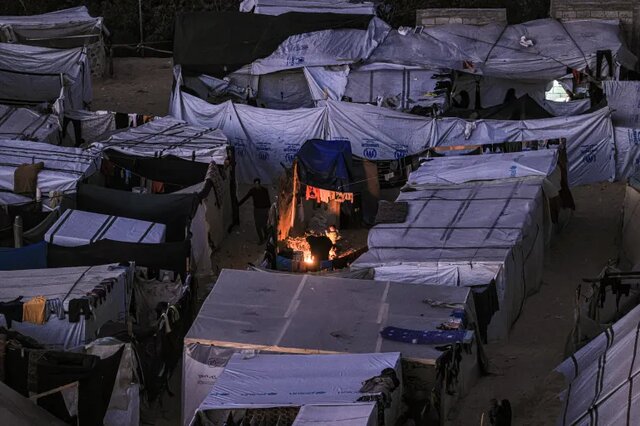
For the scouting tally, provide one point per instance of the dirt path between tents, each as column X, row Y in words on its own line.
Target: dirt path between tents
column 521, row 367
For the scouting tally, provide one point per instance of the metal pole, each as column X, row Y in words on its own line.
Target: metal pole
column 17, row 232
column 141, row 45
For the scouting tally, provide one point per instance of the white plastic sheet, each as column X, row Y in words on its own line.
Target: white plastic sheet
column 327, row 82
column 77, row 228
column 41, row 69
column 461, row 168
column 340, row 415
column 265, row 138
column 271, row 381
column 320, row 48
column 63, row 167
column 601, row 377
column 26, row 124
column 278, row 7
column 493, row 50
column 167, row 136
column 623, row 98
column 627, row 147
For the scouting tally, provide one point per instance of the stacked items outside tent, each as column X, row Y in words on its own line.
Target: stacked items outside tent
column 62, row 29
column 308, row 314
column 478, row 221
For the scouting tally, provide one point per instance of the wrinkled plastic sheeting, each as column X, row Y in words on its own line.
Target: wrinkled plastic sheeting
column 278, row 7
column 320, row 48
column 623, row 98
column 608, row 393
column 468, row 168
column 265, row 138
column 327, row 82
column 627, row 146
column 493, row 50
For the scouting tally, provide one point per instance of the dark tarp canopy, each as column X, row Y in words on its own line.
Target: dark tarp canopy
column 522, row 108
column 326, row 164
column 173, row 210
column 169, row 256
column 218, row 43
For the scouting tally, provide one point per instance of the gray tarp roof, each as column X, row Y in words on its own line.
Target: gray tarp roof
column 168, row 136
column 69, row 24
column 26, row 124
column 63, row 167
column 303, row 313
column 278, row 7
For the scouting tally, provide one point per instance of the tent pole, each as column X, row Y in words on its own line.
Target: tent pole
column 17, row 232
column 141, row 33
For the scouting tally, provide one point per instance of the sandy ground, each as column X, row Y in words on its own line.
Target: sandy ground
column 521, row 367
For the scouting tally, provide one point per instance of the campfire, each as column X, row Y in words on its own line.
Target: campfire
column 300, row 245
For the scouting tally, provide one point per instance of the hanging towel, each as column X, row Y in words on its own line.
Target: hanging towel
column 34, row 310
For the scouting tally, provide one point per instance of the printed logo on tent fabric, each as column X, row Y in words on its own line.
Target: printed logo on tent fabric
column 290, row 152
column 263, row 155
column 589, row 153
column 401, row 151
column 293, row 61
column 370, row 153
column 634, row 136
column 239, row 146
column 216, row 362
column 514, row 171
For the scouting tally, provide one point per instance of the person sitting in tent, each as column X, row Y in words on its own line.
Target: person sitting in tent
column 320, row 246
column 261, row 205
column 333, row 234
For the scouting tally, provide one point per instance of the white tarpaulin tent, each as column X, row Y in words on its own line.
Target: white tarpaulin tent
column 26, row 124
column 601, row 378
column 278, row 7
column 623, row 98
column 627, row 143
column 76, row 228
column 62, row 29
column 67, row 284
column 307, row 314
column 264, row 138
column 63, row 167
column 340, row 415
column 279, row 381
column 167, row 136
column 470, row 230
column 504, row 52
column 49, row 74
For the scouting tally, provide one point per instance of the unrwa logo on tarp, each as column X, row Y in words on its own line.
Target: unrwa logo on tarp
column 589, row 153
column 370, row 153
column 401, row 151
column 263, row 155
column 634, row 136
column 289, row 157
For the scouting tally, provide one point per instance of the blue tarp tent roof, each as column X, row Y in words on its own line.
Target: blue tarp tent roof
column 326, row 164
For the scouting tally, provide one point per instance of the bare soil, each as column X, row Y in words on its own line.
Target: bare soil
column 521, row 369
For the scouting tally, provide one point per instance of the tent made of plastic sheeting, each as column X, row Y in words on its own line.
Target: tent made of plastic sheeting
column 341, row 415
column 62, row 29
column 218, row 43
column 470, row 233
column 18, row 410
column 296, row 381
column 308, row 314
column 531, row 51
column 168, row 137
column 27, row 124
column 278, row 7
column 627, row 150
column 265, row 138
column 68, row 285
column 601, row 377
column 623, row 98
column 204, row 221
column 330, row 47
column 49, row 74
column 63, row 167
column 459, row 169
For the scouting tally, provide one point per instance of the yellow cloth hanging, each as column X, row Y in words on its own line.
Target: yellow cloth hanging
column 34, row 310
